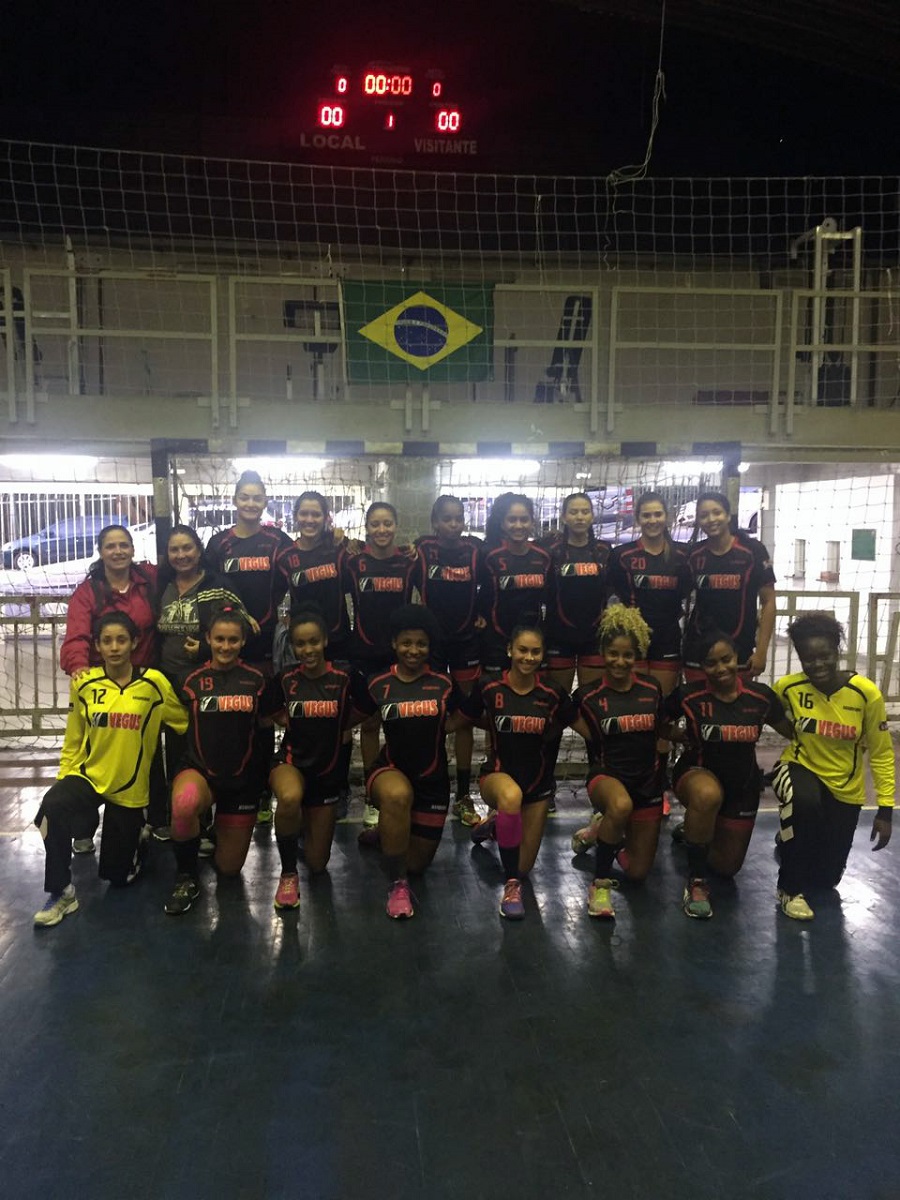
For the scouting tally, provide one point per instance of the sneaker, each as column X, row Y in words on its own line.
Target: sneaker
column 511, row 905
column 369, row 836
column 287, row 895
column 584, row 839
column 83, row 846
column 623, row 859
column 162, row 833
column 484, row 830
column 678, row 833
column 370, row 815
column 551, row 804
column 795, row 907
column 399, row 901
column 669, row 800
column 695, row 900
column 600, row 899
column 465, row 812
column 56, row 907
column 207, row 846
column 187, row 889
column 264, row 812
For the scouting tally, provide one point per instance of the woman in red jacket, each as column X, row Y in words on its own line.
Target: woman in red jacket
column 115, row 584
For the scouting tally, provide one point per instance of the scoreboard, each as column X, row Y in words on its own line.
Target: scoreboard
column 387, row 114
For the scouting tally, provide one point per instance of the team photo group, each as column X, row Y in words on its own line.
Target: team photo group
column 221, row 688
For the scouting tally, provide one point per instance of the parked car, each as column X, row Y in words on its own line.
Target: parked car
column 71, row 538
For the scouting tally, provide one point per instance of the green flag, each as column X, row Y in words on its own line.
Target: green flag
column 402, row 333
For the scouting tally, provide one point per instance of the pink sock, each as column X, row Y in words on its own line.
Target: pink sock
column 509, row 829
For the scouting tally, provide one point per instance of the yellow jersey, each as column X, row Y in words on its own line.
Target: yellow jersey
column 832, row 734
column 112, row 731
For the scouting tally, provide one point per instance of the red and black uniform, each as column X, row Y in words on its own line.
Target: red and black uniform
column 577, row 596
column 447, row 581
column 721, row 737
column 657, row 585
column 414, row 719
column 223, row 710
column 318, row 712
column 513, row 591
column 523, row 730
column 726, row 594
column 376, row 587
column 624, row 731
column 315, row 578
column 249, row 567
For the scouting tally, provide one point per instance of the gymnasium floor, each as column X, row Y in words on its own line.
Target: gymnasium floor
column 238, row 1053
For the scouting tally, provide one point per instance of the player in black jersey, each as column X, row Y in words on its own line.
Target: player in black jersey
column 619, row 716
column 446, row 576
column 226, row 699
column 247, row 555
column 115, row 714
column 313, row 569
column 577, row 594
column 651, row 574
column 378, row 579
column 307, row 771
column 717, row 777
column 523, row 714
column 732, row 579
column 514, row 576
column 409, row 782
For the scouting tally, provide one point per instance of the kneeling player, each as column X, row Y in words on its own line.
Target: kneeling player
column 308, row 772
column 717, row 778
column 225, row 699
column 115, row 714
column 524, row 715
column 409, row 782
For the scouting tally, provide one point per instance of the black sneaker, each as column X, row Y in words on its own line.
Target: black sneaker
column 678, row 833
column 187, row 889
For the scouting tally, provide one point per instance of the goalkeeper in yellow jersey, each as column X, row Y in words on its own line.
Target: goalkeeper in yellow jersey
column 839, row 719
column 115, row 714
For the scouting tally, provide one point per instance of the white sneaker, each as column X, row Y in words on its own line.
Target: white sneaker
column 795, row 907
column 83, row 846
column 370, row 816
column 57, row 907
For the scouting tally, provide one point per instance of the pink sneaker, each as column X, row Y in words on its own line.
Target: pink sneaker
column 511, row 905
column 287, row 895
column 399, row 901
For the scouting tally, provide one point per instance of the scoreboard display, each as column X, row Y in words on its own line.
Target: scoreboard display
column 385, row 113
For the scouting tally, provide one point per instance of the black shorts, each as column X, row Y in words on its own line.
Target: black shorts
column 318, row 790
column 493, row 651
column 562, row 655
column 460, row 657
column 646, row 802
column 431, row 799
column 236, row 800
column 664, row 652
column 741, row 795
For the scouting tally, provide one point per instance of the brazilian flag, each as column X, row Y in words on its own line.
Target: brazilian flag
column 400, row 333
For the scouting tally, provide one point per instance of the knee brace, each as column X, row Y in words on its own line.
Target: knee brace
column 185, row 805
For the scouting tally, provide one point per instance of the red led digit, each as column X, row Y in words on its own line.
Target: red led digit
column 447, row 120
column 436, row 89
column 331, row 116
column 341, row 84
column 390, row 121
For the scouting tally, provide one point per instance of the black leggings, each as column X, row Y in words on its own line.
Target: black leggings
column 68, row 810
column 816, row 830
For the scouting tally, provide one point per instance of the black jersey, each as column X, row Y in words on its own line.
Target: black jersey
column 522, row 728
column 657, row 585
column 513, row 587
column 315, row 577
column 414, row 718
column 249, row 566
column 624, row 731
column 318, row 712
column 722, row 735
column 726, row 592
column 223, row 710
column 447, row 580
column 376, row 586
column 578, row 590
